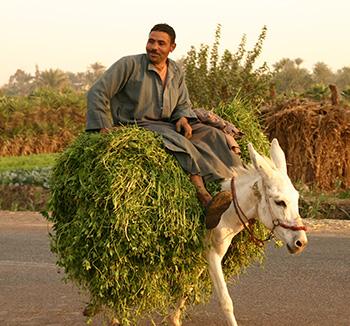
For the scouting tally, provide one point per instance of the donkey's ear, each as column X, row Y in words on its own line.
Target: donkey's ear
column 259, row 162
column 278, row 157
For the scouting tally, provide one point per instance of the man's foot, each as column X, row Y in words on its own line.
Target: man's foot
column 202, row 193
column 217, row 206
column 204, row 197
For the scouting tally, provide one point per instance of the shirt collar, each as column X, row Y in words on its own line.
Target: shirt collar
column 171, row 67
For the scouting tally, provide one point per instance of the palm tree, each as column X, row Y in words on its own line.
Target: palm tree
column 289, row 78
column 298, row 61
column 95, row 71
column 322, row 74
column 97, row 68
column 53, row 78
column 20, row 83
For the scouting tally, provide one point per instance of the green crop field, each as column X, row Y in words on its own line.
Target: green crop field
column 27, row 162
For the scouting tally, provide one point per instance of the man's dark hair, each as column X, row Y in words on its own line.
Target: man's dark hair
column 166, row 29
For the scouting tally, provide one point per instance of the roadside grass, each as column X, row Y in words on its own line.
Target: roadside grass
column 318, row 205
column 24, row 181
column 345, row 194
column 27, row 162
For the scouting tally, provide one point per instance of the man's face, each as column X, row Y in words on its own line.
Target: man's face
column 158, row 47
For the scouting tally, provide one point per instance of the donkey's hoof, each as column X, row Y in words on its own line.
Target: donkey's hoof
column 114, row 322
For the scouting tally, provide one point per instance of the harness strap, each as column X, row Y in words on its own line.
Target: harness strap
column 248, row 223
column 290, row 227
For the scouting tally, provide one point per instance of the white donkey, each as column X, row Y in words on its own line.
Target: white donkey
column 264, row 192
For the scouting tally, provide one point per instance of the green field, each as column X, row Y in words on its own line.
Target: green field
column 28, row 162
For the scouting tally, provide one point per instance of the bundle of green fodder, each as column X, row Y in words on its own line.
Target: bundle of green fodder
column 316, row 139
column 128, row 227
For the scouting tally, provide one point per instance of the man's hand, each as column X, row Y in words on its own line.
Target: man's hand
column 104, row 130
column 110, row 129
column 182, row 123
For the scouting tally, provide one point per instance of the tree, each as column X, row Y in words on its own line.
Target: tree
column 289, row 78
column 53, row 78
column 20, row 83
column 77, row 81
column 95, row 71
column 322, row 74
column 298, row 61
column 213, row 79
column 343, row 78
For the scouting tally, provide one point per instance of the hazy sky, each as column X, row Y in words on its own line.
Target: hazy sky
column 72, row 34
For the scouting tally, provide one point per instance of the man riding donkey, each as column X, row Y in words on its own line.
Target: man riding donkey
column 149, row 90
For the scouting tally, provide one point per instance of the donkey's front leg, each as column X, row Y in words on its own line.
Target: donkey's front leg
column 214, row 256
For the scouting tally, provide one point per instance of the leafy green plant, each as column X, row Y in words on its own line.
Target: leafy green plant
column 213, row 80
column 318, row 205
column 344, row 194
column 346, row 93
column 36, row 176
column 242, row 113
column 318, row 92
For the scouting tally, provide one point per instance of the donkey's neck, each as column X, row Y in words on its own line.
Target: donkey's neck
column 246, row 184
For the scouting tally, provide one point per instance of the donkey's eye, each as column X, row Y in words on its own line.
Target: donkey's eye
column 281, row 203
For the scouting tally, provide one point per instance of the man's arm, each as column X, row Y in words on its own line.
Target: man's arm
column 184, row 106
column 100, row 94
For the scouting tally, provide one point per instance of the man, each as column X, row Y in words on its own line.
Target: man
column 149, row 89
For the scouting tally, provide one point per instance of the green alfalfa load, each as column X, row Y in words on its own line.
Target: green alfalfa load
column 128, row 228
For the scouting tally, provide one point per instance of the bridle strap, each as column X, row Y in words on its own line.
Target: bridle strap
column 277, row 222
column 247, row 224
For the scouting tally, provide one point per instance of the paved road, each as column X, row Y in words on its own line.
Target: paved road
column 310, row 289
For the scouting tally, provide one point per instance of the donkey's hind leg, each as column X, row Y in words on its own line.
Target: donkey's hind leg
column 218, row 247
column 176, row 316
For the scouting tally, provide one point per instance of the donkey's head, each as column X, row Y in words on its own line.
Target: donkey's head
column 278, row 205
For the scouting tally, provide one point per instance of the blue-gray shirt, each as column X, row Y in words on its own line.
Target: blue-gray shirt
column 132, row 91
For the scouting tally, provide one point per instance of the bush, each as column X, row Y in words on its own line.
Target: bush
column 213, row 80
